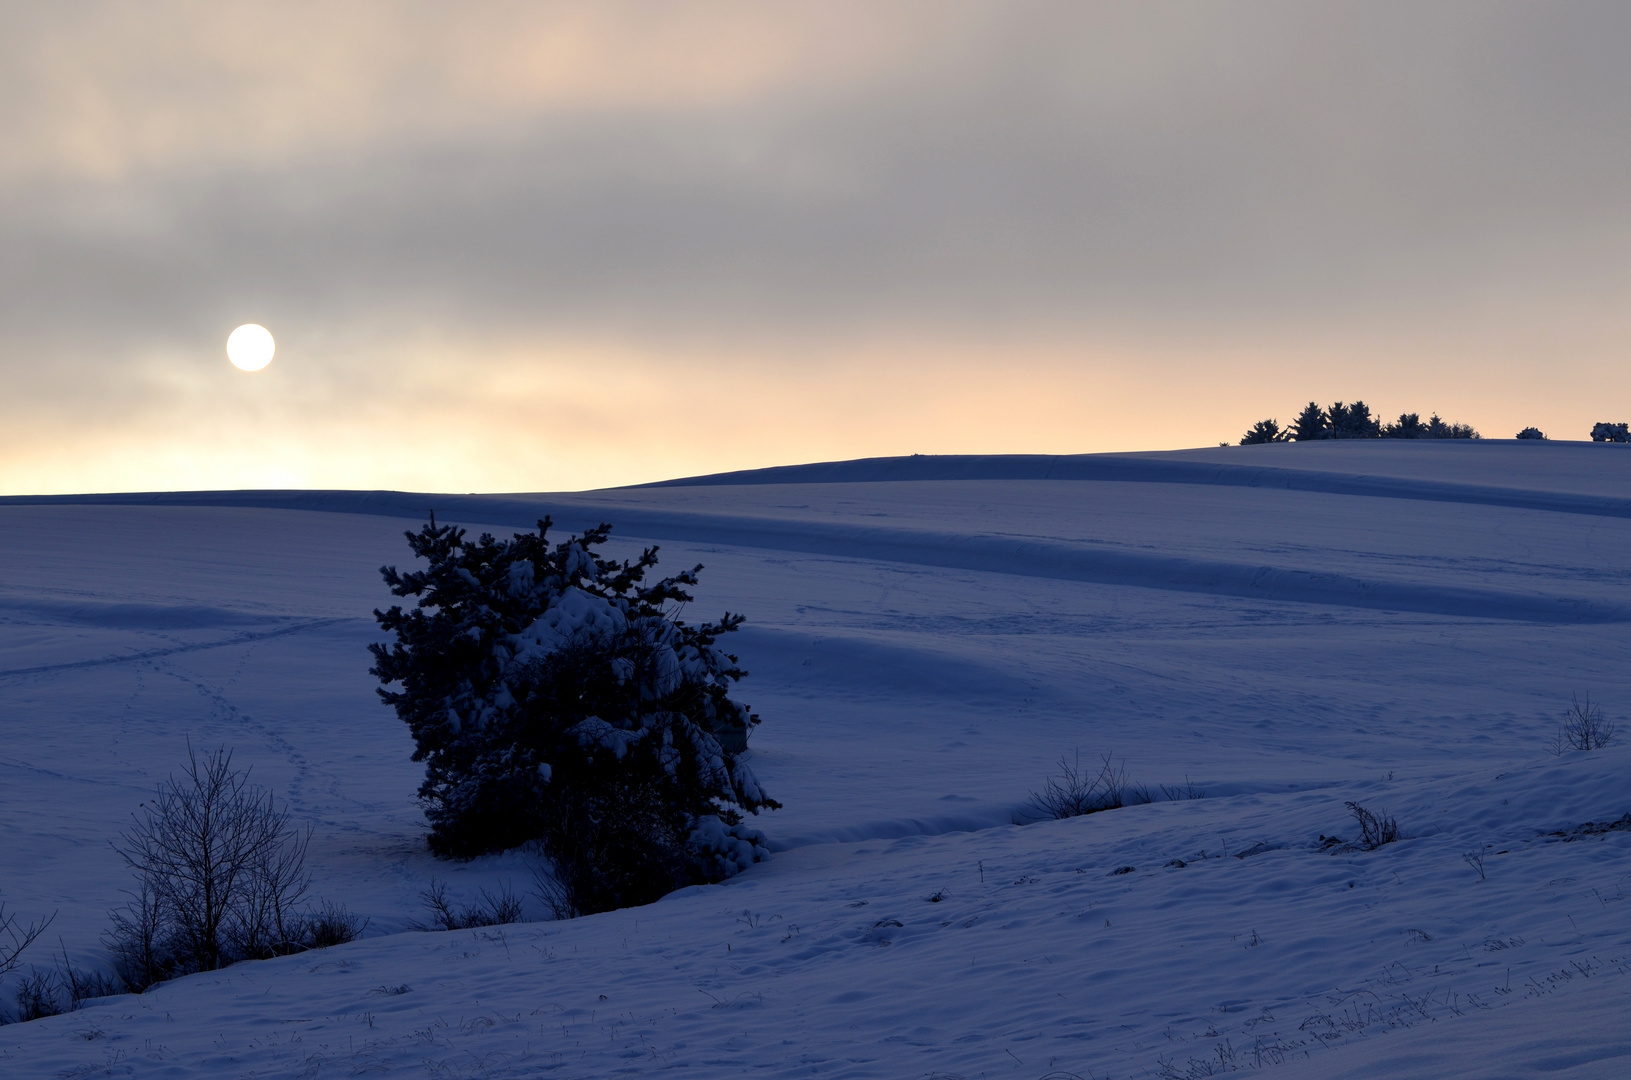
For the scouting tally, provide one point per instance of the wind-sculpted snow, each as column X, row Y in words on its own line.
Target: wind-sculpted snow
column 1174, row 469
column 127, row 616
column 1385, row 470
column 980, row 548
column 1175, row 940
column 1401, row 627
column 1053, row 559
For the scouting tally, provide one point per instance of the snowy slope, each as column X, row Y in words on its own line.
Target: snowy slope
column 1286, row 627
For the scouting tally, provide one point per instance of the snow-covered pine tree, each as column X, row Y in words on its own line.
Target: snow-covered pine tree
column 555, row 696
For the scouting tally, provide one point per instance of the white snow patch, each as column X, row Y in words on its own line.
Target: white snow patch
column 1400, row 627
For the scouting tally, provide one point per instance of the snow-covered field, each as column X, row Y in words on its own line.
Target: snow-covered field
column 1286, row 628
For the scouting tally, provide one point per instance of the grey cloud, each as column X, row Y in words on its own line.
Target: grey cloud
column 1146, row 166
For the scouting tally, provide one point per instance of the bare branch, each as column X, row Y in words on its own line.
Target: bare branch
column 17, row 938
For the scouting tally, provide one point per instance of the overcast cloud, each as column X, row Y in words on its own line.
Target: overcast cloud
column 819, row 231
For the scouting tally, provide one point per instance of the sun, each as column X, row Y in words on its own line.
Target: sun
column 250, row 347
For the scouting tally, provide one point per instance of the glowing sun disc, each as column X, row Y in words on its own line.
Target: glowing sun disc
column 250, row 347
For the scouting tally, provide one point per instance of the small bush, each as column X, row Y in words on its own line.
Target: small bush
column 1374, row 829
column 220, row 878
column 52, row 992
column 330, row 924
column 1530, row 433
column 1078, row 790
column 37, row 996
column 62, row 989
column 493, row 909
column 81, row 986
column 1584, row 728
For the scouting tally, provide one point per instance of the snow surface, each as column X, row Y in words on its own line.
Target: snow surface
column 1285, row 628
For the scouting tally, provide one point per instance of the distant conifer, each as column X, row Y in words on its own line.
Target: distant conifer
column 1310, row 424
column 1352, row 422
column 1408, row 426
column 1264, row 431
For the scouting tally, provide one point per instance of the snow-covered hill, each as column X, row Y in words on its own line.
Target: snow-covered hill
column 1286, row 628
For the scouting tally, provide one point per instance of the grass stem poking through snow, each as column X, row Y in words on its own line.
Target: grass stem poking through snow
column 1173, row 793
column 493, row 909
column 1475, row 859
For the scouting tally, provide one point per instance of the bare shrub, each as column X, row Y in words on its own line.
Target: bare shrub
column 220, row 878
column 37, row 996
column 492, row 909
column 1076, row 790
column 64, row 988
column 1173, row 793
column 141, row 956
column 59, row 989
column 331, row 924
column 17, row 938
column 1374, row 829
column 81, row 985
column 1584, row 727
column 555, row 889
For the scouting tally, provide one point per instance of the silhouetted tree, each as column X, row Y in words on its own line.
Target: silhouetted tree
column 1438, row 429
column 1310, row 424
column 1408, row 426
column 1352, row 422
column 1611, row 433
column 220, row 871
column 1265, row 431
column 1531, row 433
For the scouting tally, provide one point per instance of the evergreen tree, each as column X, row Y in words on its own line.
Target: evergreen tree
column 556, row 696
column 1311, row 424
column 1408, row 426
column 1264, row 431
column 1438, row 429
column 1352, row 422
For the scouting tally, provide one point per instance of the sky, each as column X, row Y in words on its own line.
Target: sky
column 535, row 247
